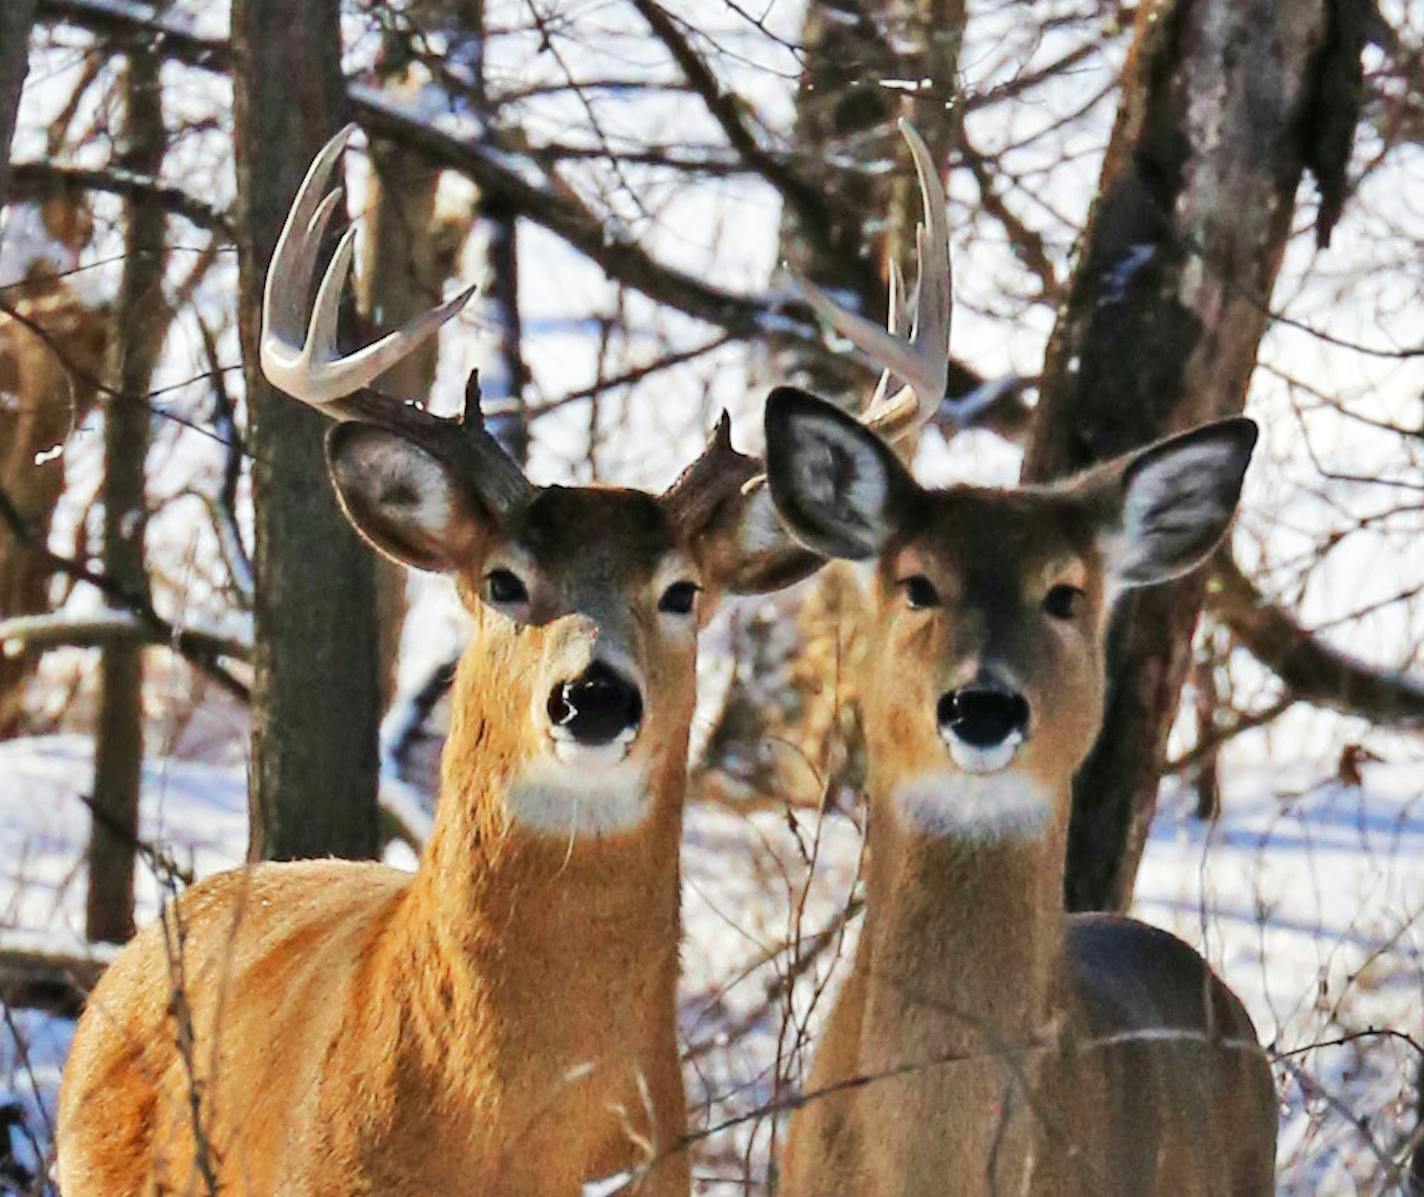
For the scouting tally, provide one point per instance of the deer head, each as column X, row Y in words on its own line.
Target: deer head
column 587, row 600
column 990, row 606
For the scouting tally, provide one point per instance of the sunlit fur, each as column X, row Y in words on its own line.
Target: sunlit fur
column 501, row 1023
column 975, row 1006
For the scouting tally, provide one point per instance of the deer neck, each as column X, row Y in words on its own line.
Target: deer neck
column 963, row 935
column 538, row 943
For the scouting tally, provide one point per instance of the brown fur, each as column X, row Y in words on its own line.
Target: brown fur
column 500, row 1023
column 983, row 1018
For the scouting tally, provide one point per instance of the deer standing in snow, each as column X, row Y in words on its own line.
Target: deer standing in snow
column 985, row 1042
column 503, row 1021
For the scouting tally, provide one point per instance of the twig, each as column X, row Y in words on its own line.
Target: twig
column 176, row 638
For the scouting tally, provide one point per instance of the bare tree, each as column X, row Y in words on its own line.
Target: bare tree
column 1224, row 106
column 141, row 325
column 316, row 693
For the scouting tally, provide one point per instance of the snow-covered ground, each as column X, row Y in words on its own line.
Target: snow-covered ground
column 1306, row 896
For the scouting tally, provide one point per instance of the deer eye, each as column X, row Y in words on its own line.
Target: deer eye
column 678, row 599
column 501, row 586
column 1063, row 601
column 920, row 591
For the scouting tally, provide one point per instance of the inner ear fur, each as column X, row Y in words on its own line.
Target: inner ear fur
column 405, row 501
column 1163, row 509
column 838, row 487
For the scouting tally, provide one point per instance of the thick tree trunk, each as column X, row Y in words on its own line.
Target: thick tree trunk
column 17, row 17
column 1225, row 104
column 316, row 692
column 788, row 728
column 140, row 328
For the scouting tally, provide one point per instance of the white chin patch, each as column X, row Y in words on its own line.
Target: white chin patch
column 581, row 790
column 974, row 759
column 984, row 806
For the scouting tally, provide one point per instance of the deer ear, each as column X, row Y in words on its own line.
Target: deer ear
column 403, row 500
column 837, row 486
column 1176, row 499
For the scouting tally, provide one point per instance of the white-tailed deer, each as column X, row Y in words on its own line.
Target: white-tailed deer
column 984, row 1041
column 502, row 1022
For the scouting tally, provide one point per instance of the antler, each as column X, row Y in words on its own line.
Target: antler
column 921, row 358
column 299, row 353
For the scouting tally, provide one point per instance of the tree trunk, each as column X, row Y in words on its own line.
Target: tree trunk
column 17, row 17
column 316, row 698
column 502, row 302
column 141, row 324
column 1225, row 103
column 788, row 728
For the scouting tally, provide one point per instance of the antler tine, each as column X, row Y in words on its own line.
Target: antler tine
column 897, row 321
column 299, row 352
column 922, row 358
column 708, row 482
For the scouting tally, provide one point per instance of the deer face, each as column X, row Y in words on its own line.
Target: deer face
column 983, row 686
column 587, row 603
column 588, row 600
column 602, row 597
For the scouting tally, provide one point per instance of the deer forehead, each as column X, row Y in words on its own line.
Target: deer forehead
column 595, row 535
column 985, row 543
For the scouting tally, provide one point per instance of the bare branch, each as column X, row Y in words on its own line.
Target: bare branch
column 43, row 980
column 1312, row 670
column 39, row 633
column 33, row 180
column 202, row 660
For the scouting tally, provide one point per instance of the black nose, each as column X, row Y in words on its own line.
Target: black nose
column 983, row 717
column 596, row 706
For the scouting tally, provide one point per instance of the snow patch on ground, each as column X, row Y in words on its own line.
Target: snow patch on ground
column 1306, row 897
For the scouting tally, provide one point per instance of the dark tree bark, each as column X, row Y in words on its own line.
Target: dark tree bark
column 118, row 734
column 316, row 693
column 1221, row 114
column 502, row 295
column 17, row 18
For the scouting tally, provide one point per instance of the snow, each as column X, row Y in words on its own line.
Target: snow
column 1306, row 896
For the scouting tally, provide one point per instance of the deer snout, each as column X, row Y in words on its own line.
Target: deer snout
column 595, row 708
column 982, row 725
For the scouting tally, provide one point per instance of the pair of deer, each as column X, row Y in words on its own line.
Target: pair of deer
column 503, row 1021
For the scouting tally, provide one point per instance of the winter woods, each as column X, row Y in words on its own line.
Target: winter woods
column 1160, row 213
